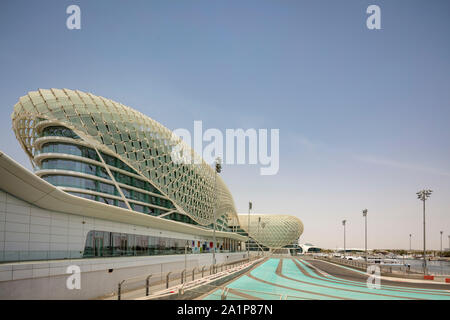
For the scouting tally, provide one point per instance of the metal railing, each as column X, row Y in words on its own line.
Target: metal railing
column 134, row 280
column 400, row 269
column 182, row 275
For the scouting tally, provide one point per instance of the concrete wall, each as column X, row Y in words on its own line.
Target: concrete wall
column 47, row 280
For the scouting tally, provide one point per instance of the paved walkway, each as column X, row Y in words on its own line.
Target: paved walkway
column 300, row 279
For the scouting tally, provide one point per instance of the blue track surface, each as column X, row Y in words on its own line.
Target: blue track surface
column 296, row 279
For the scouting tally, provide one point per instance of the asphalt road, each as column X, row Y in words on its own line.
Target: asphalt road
column 347, row 274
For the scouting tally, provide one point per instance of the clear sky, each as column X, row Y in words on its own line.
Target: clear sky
column 363, row 114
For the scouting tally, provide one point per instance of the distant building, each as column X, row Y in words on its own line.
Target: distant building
column 309, row 248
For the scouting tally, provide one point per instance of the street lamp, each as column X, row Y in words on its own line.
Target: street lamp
column 263, row 225
column 423, row 195
column 185, row 260
column 248, row 229
column 259, row 221
column 410, row 243
column 343, row 223
column 441, row 242
column 218, row 169
column 364, row 212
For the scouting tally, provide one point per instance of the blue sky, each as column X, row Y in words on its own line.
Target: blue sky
column 363, row 114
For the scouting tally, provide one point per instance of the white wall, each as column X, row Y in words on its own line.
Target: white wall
column 28, row 232
column 47, row 279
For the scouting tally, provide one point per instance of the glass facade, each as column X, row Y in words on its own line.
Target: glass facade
column 93, row 185
column 58, row 131
column 113, row 244
column 84, row 195
column 72, row 149
column 132, row 144
column 180, row 218
column 82, row 183
column 63, row 164
column 135, row 182
column 128, row 176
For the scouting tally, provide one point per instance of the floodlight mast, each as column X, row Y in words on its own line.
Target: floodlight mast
column 218, row 169
column 343, row 223
column 364, row 212
column 248, row 229
column 423, row 195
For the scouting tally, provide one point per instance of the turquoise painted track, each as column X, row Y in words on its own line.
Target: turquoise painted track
column 296, row 279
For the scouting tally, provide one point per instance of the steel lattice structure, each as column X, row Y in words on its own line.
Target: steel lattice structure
column 139, row 141
column 272, row 230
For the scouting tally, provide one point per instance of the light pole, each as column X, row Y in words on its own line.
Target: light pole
column 259, row 221
column 423, row 195
column 364, row 212
column 441, row 242
column 248, row 229
column 343, row 223
column 218, row 169
column 185, row 260
column 410, row 243
column 263, row 225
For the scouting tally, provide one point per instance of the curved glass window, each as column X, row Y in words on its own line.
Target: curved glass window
column 72, row 165
column 82, row 183
column 134, row 182
column 135, row 195
column 180, row 218
column 85, row 152
column 81, row 151
column 59, row 131
column 144, row 209
column 83, row 195
column 121, row 204
column 144, row 197
column 123, row 178
column 115, row 162
column 105, row 200
column 106, row 188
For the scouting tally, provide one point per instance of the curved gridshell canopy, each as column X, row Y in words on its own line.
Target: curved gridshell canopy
column 139, row 141
column 273, row 231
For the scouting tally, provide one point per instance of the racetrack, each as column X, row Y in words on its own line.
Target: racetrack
column 309, row 279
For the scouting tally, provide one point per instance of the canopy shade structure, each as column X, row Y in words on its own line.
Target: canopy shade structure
column 143, row 144
column 272, row 230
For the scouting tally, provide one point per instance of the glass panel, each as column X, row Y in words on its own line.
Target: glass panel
column 131, row 245
column 89, row 246
column 73, row 165
column 116, row 242
column 83, row 195
column 59, row 132
column 107, row 244
column 81, row 151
